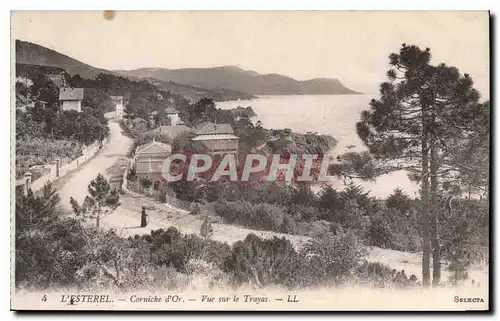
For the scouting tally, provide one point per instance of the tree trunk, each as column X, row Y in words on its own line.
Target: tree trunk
column 98, row 215
column 434, row 167
column 426, row 273
column 436, row 253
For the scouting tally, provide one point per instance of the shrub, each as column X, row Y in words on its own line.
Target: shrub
column 329, row 199
column 206, row 229
column 146, row 182
column 335, row 227
column 332, row 257
column 399, row 201
column 131, row 174
column 171, row 248
column 304, row 213
column 374, row 273
column 288, row 225
column 191, row 191
column 113, row 198
column 195, row 209
column 162, row 197
column 381, row 275
column 263, row 262
column 380, row 235
column 77, row 209
column 257, row 216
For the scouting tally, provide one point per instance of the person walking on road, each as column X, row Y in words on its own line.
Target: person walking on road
column 143, row 217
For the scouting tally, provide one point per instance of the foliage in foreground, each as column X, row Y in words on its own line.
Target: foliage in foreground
column 54, row 251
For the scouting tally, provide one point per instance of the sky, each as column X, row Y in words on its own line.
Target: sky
column 350, row 46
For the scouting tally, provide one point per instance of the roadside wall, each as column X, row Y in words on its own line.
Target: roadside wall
column 58, row 169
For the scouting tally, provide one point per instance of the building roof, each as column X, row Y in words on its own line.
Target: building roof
column 171, row 110
column 153, row 147
column 209, row 128
column 171, row 131
column 215, row 137
column 71, row 94
column 117, row 99
column 138, row 120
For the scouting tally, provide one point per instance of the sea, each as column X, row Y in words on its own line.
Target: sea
column 334, row 115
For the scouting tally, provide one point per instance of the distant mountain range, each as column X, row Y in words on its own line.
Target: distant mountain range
column 249, row 81
column 28, row 53
column 218, row 83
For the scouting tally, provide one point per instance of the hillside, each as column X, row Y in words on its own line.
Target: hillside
column 32, row 54
column 195, row 93
column 235, row 78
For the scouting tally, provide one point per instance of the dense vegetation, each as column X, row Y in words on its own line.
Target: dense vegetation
column 54, row 251
column 295, row 209
column 43, row 132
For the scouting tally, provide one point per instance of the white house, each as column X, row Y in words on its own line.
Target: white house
column 173, row 114
column 149, row 159
column 118, row 101
column 71, row 98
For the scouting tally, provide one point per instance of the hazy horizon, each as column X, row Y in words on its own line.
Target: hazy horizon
column 352, row 47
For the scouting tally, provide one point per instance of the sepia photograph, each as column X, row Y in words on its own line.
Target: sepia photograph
column 250, row 160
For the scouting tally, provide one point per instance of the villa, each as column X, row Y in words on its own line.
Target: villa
column 149, row 158
column 71, row 99
column 218, row 138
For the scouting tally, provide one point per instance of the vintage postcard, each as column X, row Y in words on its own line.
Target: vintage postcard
column 250, row 160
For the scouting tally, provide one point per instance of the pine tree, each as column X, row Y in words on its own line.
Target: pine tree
column 399, row 201
column 421, row 108
column 100, row 195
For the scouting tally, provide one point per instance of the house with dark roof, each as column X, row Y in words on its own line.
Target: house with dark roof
column 149, row 158
column 171, row 131
column 218, row 138
column 71, row 98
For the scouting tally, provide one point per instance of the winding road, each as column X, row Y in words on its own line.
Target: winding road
column 75, row 184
